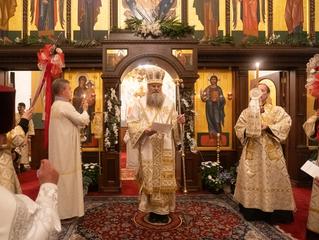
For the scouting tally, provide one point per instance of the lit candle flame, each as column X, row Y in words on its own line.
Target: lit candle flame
column 257, row 69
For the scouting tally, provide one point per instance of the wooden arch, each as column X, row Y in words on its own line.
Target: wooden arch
column 138, row 51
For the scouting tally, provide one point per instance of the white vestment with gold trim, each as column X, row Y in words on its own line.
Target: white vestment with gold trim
column 156, row 174
column 24, row 149
column 263, row 181
column 313, row 216
column 8, row 176
column 25, row 219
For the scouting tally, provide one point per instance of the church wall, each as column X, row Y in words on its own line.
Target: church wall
column 233, row 61
column 104, row 25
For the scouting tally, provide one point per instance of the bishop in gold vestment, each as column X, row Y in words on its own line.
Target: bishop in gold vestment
column 156, row 174
column 313, row 217
column 263, row 186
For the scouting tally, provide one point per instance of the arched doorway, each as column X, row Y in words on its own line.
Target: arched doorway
column 121, row 60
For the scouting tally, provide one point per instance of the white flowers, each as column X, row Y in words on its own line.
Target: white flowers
column 211, row 175
column 273, row 39
column 184, row 101
column 209, row 164
column 112, row 119
column 192, row 142
column 117, row 112
column 150, row 28
column 113, row 94
column 88, row 166
column 109, row 105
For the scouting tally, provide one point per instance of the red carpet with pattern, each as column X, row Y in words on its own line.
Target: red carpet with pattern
column 202, row 217
column 30, row 187
column 298, row 228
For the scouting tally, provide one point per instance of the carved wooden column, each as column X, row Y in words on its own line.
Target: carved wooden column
column 270, row 19
column 297, row 150
column 227, row 10
column 241, row 90
column 25, row 20
column 240, row 98
column 110, row 177
column 113, row 14
column 184, row 17
column 312, row 31
column 192, row 160
column 68, row 19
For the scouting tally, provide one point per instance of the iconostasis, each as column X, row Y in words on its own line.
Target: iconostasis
column 91, row 19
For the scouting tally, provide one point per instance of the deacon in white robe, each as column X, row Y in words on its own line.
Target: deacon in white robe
column 263, row 187
column 25, row 219
column 311, row 130
column 156, row 149
column 64, row 149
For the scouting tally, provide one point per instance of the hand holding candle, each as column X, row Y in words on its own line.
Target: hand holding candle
column 85, row 104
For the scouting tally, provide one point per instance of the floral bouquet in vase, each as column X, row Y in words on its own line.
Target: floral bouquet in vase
column 229, row 179
column 90, row 174
column 211, row 176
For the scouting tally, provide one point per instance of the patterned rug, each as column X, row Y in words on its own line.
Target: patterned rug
column 205, row 217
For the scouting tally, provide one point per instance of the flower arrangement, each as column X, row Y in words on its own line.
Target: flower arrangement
column 215, row 178
column 229, row 176
column 111, row 119
column 90, row 174
column 211, row 175
column 274, row 39
column 158, row 27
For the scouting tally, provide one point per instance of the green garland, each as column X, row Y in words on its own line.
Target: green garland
column 170, row 28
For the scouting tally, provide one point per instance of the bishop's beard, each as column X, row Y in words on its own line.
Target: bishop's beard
column 155, row 100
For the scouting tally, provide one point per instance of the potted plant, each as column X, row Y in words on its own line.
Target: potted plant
column 211, row 176
column 229, row 179
column 90, row 174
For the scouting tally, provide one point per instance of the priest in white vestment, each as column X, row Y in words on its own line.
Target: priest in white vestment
column 156, row 148
column 10, row 138
column 263, row 187
column 64, row 149
column 311, row 130
column 311, row 127
column 25, row 219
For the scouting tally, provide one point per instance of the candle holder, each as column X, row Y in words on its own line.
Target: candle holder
column 218, row 147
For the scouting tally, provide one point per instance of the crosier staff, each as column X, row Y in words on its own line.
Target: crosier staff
column 178, row 83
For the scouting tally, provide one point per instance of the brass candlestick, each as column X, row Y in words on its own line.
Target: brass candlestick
column 218, row 146
column 178, row 83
